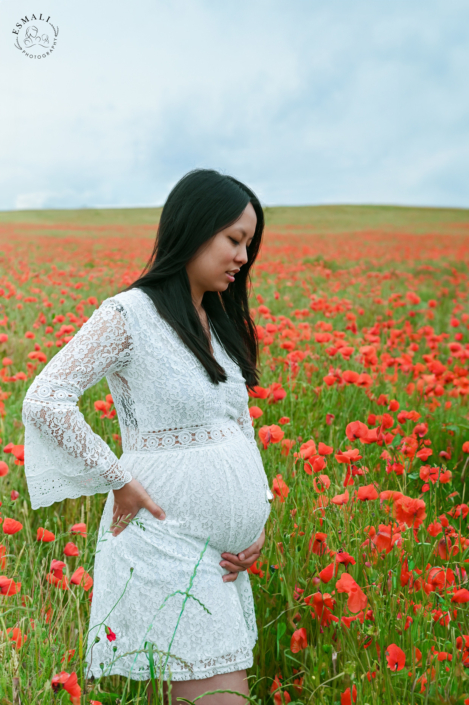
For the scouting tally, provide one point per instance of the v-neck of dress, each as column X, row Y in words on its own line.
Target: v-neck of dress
column 212, row 339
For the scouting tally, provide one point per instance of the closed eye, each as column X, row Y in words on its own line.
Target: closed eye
column 235, row 241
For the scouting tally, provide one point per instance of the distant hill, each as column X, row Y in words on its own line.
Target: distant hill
column 339, row 218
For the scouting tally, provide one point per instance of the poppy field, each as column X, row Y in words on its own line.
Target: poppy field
column 362, row 420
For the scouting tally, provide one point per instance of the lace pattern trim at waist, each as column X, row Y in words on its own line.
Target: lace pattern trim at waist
column 189, row 437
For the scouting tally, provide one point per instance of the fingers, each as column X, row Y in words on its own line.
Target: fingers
column 236, row 565
column 227, row 565
column 119, row 523
column 230, row 577
column 249, row 557
column 233, row 557
column 250, row 551
column 155, row 509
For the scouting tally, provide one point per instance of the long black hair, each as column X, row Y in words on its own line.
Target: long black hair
column 202, row 203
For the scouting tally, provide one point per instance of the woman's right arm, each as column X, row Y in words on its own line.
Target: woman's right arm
column 63, row 456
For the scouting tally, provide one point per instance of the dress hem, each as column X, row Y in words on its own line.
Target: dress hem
column 177, row 675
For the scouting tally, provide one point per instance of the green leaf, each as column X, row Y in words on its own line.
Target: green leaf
column 281, row 629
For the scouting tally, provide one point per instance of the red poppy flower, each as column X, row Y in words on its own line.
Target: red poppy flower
column 345, row 558
column 367, row 493
column 78, row 529
column 395, row 657
column 280, row 488
column 8, row 586
column 410, row 511
column 17, row 637
column 69, row 682
column 396, row 468
column 317, row 543
column 71, row 549
column 56, row 577
column 18, row 452
column 281, row 697
column 307, row 449
column 110, row 634
column 316, row 463
column 329, row 572
column 68, row 655
column 350, row 376
column 340, row 499
column 324, row 450
column 434, row 528
column 392, row 495
column 357, row 599
column 461, row 596
column 424, row 454
column 437, row 579
column 348, row 696
column 45, row 535
column 322, row 605
column 356, row 429
column 11, row 526
column 462, row 642
column 270, row 434
column 322, row 483
column 348, row 456
column 258, row 392
column 81, row 577
column 298, row 641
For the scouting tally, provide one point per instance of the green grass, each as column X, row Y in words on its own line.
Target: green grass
column 405, row 336
column 334, row 218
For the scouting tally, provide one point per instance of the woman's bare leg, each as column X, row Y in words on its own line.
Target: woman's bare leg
column 237, row 680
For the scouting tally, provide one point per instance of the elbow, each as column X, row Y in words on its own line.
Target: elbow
column 28, row 410
column 32, row 411
column 45, row 403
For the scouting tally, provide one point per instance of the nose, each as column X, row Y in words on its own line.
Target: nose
column 242, row 256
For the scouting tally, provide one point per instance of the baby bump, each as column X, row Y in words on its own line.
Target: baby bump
column 216, row 492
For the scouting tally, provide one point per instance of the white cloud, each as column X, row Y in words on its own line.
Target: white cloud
column 307, row 102
column 30, row 201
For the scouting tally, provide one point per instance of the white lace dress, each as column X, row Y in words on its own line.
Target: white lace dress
column 191, row 444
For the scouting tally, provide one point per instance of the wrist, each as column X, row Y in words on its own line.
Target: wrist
column 122, row 483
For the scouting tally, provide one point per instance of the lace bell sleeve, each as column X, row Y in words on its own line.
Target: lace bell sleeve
column 245, row 423
column 63, row 457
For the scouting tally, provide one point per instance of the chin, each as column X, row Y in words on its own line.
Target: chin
column 219, row 287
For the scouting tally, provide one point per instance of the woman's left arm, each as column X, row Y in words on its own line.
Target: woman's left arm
column 242, row 561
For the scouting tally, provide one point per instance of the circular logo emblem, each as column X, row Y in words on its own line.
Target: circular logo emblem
column 36, row 36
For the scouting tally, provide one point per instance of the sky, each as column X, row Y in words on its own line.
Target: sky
column 305, row 101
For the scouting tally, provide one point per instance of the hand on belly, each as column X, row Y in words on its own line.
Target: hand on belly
column 242, row 561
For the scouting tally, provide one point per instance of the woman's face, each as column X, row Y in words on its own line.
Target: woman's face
column 226, row 252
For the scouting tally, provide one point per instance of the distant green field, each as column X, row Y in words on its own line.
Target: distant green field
column 340, row 218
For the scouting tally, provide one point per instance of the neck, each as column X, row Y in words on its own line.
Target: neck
column 197, row 301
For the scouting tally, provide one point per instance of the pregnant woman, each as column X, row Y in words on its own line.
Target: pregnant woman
column 189, row 498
